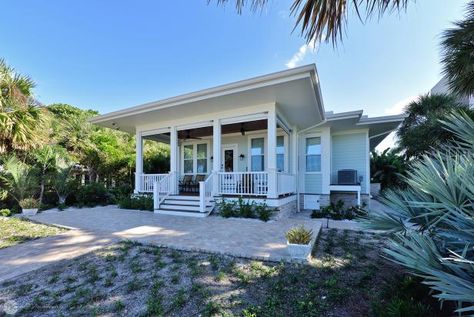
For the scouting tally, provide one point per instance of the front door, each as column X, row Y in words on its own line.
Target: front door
column 229, row 153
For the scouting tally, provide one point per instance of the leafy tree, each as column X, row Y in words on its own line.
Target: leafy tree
column 20, row 118
column 421, row 131
column 46, row 159
column 387, row 168
column 325, row 19
column 458, row 54
column 63, row 183
column 431, row 222
column 21, row 179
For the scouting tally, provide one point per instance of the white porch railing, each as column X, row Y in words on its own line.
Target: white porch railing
column 205, row 192
column 162, row 189
column 243, row 183
column 286, row 183
column 147, row 180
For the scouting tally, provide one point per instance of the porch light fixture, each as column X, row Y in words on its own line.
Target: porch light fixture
column 241, row 156
column 242, row 130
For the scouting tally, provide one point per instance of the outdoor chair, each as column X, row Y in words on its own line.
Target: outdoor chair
column 185, row 184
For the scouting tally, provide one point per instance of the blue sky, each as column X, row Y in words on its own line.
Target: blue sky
column 109, row 55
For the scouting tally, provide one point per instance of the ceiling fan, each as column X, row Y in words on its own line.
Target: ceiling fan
column 188, row 136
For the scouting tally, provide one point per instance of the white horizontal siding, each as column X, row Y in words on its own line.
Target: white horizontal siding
column 313, row 183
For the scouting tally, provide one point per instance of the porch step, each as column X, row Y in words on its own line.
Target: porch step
column 180, row 205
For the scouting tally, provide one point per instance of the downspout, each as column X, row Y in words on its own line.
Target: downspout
column 298, row 209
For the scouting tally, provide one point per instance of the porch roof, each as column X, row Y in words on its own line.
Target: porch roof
column 296, row 92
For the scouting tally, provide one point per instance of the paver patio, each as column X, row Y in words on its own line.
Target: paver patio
column 96, row 227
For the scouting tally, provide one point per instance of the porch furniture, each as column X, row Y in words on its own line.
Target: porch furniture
column 185, row 184
column 195, row 183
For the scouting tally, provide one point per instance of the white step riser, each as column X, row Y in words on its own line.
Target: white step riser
column 182, row 214
column 180, row 197
column 182, row 202
column 183, row 208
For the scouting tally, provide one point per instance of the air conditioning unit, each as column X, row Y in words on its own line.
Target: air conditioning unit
column 347, row 177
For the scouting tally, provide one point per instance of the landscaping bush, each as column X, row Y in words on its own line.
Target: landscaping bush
column 299, row 235
column 92, row 194
column 119, row 192
column 337, row 212
column 243, row 209
column 5, row 212
column 29, row 203
column 140, row 202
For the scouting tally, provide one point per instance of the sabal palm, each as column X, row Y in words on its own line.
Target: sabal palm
column 325, row 19
column 432, row 221
column 458, row 54
column 19, row 117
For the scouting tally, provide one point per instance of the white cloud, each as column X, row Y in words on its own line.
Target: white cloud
column 299, row 56
column 399, row 107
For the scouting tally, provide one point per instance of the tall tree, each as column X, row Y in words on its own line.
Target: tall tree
column 422, row 130
column 458, row 54
column 20, row 118
column 325, row 19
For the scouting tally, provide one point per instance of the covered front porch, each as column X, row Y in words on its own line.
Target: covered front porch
column 250, row 156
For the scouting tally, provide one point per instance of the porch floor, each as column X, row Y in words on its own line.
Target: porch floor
column 249, row 238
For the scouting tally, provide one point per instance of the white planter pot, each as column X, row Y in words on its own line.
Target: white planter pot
column 29, row 212
column 299, row 251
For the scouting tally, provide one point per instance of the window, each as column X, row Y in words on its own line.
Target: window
column 257, row 155
column 188, row 159
column 201, row 159
column 313, row 154
column 280, row 150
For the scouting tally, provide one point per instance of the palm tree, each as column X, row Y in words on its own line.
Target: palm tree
column 421, row 130
column 458, row 54
column 63, row 184
column 325, row 19
column 431, row 222
column 19, row 116
column 21, row 179
column 46, row 159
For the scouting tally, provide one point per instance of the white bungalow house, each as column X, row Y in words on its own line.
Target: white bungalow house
column 267, row 138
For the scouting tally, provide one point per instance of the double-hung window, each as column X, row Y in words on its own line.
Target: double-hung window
column 195, row 158
column 313, row 154
column 257, row 155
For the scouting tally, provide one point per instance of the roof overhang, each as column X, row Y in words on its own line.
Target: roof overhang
column 296, row 92
column 378, row 127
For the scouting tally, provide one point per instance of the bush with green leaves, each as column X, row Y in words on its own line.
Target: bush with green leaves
column 299, row 235
column 140, row 202
column 431, row 222
column 5, row 212
column 29, row 203
column 92, row 194
column 244, row 209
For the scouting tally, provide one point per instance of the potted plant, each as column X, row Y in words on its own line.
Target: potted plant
column 299, row 242
column 29, row 206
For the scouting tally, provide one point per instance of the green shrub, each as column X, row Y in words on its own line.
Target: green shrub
column 246, row 209
column 5, row 212
column 29, row 203
column 92, row 194
column 263, row 212
column 299, row 235
column 119, row 192
column 227, row 208
column 140, row 202
column 243, row 209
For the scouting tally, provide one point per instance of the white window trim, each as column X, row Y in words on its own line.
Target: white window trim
column 194, row 143
column 265, row 149
column 308, row 136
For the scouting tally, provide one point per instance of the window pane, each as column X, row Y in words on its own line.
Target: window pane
column 280, row 162
column 257, row 146
column 257, row 163
column 188, row 166
column 280, row 149
column 201, row 151
column 313, row 163
column 202, row 166
column 313, row 146
column 188, row 152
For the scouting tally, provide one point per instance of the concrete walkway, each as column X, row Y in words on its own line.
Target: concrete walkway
column 96, row 227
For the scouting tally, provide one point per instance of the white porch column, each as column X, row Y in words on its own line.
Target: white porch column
column 326, row 160
column 216, row 154
column 138, row 161
column 271, row 145
column 174, row 159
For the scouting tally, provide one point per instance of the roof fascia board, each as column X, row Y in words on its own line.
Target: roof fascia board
column 253, row 83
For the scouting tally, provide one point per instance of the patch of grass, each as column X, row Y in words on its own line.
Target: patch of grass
column 118, row 306
column 135, row 266
column 154, row 306
column 54, row 278
column 180, row 299
column 212, row 309
column 220, row 276
column 175, row 279
column 134, row 285
column 24, row 289
column 14, row 231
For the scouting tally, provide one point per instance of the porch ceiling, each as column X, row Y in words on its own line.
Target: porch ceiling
column 296, row 93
